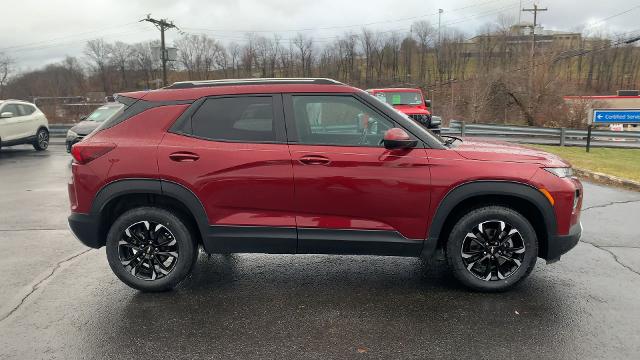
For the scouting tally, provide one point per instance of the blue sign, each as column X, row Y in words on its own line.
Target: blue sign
column 616, row 116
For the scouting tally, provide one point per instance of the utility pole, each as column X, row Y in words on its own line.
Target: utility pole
column 440, row 11
column 163, row 25
column 533, row 51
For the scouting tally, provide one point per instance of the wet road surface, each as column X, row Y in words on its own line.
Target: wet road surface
column 60, row 300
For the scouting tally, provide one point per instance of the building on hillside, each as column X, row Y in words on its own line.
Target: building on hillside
column 518, row 37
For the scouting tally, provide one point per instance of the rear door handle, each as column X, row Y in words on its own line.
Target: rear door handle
column 314, row 160
column 184, row 156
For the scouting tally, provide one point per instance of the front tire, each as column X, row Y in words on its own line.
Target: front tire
column 41, row 142
column 492, row 249
column 150, row 249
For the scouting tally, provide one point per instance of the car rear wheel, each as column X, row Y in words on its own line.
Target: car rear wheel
column 41, row 142
column 492, row 249
column 150, row 249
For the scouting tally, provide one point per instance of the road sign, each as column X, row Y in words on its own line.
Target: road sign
column 616, row 116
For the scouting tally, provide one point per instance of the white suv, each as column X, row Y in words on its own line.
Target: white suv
column 22, row 122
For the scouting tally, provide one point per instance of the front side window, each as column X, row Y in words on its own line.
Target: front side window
column 337, row 120
column 243, row 118
column 12, row 108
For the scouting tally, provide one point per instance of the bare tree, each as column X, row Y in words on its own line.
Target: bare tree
column 304, row 45
column 6, row 70
column 121, row 56
column 424, row 33
column 199, row 55
column 98, row 52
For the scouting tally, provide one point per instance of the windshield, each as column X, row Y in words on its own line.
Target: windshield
column 104, row 113
column 400, row 97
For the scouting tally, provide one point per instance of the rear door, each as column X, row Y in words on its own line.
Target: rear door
column 351, row 194
column 231, row 152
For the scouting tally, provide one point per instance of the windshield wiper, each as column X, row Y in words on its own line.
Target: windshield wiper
column 450, row 140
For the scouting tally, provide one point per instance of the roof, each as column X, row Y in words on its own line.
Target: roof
column 192, row 90
column 251, row 81
column 18, row 101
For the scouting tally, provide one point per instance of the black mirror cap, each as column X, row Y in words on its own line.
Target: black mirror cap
column 400, row 144
column 427, row 103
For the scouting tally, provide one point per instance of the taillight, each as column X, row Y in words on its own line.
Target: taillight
column 85, row 152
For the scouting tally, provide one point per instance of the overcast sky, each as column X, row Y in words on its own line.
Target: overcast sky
column 37, row 32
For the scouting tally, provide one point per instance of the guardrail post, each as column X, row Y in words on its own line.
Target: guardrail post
column 462, row 128
column 588, row 138
column 563, row 133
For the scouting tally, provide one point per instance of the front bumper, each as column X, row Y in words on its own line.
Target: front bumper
column 560, row 244
column 85, row 229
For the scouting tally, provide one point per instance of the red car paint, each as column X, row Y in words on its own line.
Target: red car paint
column 307, row 186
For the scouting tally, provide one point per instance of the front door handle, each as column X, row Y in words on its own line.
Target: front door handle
column 184, row 156
column 314, row 160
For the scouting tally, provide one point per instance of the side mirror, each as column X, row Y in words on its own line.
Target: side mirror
column 427, row 103
column 6, row 114
column 436, row 121
column 397, row 138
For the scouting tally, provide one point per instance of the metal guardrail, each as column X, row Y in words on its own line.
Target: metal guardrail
column 540, row 135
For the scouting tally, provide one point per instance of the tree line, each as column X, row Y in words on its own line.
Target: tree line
column 489, row 78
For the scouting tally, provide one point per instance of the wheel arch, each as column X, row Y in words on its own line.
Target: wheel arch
column 121, row 195
column 525, row 199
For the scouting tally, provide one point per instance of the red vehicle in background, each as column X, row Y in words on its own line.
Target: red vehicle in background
column 411, row 102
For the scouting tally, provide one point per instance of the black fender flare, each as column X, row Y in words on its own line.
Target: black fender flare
column 152, row 186
column 487, row 188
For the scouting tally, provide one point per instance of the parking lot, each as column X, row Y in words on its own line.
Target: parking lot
column 60, row 300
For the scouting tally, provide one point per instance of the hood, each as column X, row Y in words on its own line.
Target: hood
column 412, row 109
column 489, row 150
column 85, row 127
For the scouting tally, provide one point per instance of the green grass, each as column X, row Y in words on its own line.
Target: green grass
column 624, row 163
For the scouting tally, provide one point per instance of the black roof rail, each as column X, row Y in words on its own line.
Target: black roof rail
column 253, row 81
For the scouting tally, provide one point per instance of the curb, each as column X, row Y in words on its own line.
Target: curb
column 607, row 179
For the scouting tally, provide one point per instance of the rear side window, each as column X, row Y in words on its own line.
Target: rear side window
column 242, row 119
column 27, row 109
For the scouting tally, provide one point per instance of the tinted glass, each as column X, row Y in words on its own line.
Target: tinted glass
column 337, row 120
column 244, row 118
column 27, row 109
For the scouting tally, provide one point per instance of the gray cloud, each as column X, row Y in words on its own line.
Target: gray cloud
column 37, row 32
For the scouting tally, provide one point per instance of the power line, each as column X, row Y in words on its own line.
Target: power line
column 66, row 36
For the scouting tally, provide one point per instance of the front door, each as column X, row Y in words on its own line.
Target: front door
column 233, row 155
column 351, row 194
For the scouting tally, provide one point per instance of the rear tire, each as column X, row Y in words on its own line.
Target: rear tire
column 41, row 142
column 492, row 249
column 151, row 249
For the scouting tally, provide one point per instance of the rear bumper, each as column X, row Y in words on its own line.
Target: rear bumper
column 85, row 229
column 560, row 244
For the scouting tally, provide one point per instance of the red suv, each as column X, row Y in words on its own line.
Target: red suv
column 309, row 166
column 410, row 102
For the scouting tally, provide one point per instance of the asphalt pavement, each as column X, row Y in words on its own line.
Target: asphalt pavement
column 59, row 300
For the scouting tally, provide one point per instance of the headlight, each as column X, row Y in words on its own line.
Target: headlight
column 71, row 135
column 561, row 172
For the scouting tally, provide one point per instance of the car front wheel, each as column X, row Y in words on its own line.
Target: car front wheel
column 150, row 249
column 492, row 248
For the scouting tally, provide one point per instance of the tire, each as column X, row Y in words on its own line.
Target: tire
column 483, row 266
column 136, row 253
column 41, row 142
